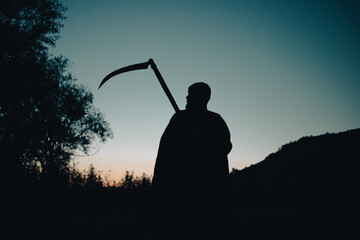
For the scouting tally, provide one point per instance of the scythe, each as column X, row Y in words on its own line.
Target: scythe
column 141, row 66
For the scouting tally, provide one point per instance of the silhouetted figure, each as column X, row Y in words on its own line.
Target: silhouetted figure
column 191, row 170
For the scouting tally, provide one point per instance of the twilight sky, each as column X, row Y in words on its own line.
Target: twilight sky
column 279, row 70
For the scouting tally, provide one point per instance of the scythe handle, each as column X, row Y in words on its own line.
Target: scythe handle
column 163, row 85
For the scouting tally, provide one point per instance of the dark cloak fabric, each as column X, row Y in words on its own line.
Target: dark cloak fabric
column 191, row 170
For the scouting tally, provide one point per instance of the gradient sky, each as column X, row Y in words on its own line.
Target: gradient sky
column 279, row 70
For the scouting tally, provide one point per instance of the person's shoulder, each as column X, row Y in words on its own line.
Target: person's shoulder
column 213, row 114
column 184, row 114
column 179, row 115
column 181, row 112
column 216, row 118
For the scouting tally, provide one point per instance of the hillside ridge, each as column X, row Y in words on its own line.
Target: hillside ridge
column 307, row 187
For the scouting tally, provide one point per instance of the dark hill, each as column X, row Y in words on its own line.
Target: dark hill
column 306, row 189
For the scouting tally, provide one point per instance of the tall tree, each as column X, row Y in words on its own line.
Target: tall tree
column 45, row 116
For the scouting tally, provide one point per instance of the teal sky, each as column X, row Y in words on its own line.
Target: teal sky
column 279, row 70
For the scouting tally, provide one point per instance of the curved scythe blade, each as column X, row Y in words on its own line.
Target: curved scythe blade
column 134, row 67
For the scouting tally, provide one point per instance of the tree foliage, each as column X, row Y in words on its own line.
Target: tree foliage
column 46, row 118
column 29, row 26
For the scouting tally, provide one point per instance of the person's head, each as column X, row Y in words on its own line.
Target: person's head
column 198, row 96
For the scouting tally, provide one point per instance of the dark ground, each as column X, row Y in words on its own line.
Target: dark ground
column 307, row 190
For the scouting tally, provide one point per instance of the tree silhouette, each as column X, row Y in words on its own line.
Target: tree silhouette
column 45, row 116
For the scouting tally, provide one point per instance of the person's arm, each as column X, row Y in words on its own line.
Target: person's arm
column 226, row 144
